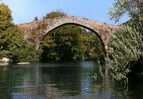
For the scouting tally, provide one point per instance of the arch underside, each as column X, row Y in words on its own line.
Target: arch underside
column 92, row 29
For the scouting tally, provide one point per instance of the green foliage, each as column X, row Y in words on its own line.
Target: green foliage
column 55, row 14
column 12, row 44
column 126, row 46
column 5, row 17
column 27, row 53
column 127, row 42
column 62, row 44
column 131, row 7
column 71, row 43
column 91, row 45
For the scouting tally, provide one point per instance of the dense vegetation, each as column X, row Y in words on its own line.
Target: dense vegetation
column 133, row 8
column 71, row 43
column 12, row 44
column 126, row 47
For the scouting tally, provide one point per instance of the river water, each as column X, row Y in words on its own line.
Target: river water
column 61, row 81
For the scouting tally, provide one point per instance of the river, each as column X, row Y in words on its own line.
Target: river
column 61, row 81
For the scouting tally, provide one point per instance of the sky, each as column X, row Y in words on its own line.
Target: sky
column 25, row 10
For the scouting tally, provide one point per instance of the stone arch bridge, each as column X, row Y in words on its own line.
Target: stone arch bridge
column 44, row 26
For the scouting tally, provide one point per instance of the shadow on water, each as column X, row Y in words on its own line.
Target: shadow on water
column 135, row 79
column 135, row 87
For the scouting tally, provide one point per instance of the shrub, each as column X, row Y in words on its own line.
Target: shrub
column 55, row 14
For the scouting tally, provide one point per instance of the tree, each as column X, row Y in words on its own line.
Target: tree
column 126, row 46
column 62, row 44
column 5, row 23
column 5, row 17
column 12, row 44
column 127, row 43
column 134, row 8
column 91, row 45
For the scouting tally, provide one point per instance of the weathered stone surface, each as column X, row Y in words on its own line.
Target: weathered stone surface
column 103, row 30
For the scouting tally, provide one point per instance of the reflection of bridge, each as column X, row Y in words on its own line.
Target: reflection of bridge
column 102, row 30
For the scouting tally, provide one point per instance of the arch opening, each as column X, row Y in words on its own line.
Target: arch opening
column 91, row 32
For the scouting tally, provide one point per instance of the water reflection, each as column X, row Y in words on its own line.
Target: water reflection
column 4, row 84
column 66, row 79
column 58, row 81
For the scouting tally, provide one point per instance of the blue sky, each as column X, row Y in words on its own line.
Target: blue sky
column 26, row 10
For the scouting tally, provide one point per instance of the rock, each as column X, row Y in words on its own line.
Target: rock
column 4, row 61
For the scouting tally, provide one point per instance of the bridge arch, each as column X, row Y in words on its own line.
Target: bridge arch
column 103, row 31
column 78, row 24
